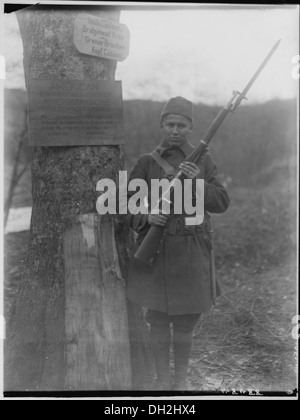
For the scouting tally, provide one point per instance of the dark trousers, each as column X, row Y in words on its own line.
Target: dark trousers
column 183, row 326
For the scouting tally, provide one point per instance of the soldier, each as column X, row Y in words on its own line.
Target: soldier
column 177, row 288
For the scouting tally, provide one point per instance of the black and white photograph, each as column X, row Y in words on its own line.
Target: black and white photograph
column 149, row 203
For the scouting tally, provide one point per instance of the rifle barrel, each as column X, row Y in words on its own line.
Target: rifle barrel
column 148, row 248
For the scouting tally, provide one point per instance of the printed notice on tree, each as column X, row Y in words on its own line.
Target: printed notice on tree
column 75, row 112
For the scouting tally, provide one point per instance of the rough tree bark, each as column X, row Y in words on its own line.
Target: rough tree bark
column 70, row 329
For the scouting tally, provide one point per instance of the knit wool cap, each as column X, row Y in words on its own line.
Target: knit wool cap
column 179, row 106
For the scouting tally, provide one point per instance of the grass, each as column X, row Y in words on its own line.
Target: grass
column 245, row 342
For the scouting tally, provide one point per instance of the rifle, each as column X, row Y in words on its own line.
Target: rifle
column 149, row 247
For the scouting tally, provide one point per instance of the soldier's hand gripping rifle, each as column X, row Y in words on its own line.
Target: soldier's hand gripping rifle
column 148, row 248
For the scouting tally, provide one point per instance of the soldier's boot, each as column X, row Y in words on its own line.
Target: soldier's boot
column 182, row 346
column 160, row 339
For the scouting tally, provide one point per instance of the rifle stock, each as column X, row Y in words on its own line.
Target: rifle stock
column 150, row 245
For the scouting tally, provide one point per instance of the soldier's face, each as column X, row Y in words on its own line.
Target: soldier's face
column 176, row 129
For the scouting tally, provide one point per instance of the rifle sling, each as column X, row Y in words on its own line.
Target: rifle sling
column 168, row 169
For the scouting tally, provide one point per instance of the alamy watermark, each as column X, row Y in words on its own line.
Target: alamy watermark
column 165, row 196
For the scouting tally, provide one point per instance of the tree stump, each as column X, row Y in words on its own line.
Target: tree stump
column 69, row 330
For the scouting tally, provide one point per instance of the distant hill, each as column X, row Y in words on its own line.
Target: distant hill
column 15, row 102
column 254, row 145
column 15, row 121
column 248, row 142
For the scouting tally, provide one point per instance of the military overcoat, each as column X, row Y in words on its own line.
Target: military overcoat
column 179, row 282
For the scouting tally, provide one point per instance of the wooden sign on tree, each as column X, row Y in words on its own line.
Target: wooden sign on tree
column 75, row 112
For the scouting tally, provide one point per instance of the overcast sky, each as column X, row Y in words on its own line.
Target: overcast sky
column 198, row 53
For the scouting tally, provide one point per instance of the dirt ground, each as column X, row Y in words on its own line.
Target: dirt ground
column 245, row 342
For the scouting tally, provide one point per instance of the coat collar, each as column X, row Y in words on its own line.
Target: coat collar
column 186, row 148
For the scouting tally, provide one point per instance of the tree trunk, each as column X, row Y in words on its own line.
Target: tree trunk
column 70, row 328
